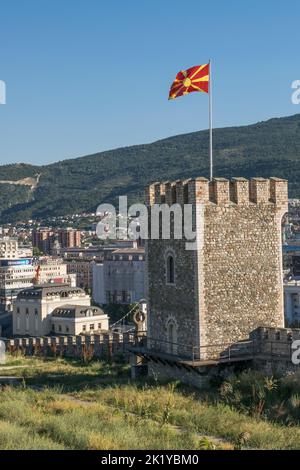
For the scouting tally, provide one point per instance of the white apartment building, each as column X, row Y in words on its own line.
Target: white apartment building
column 121, row 277
column 55, row 308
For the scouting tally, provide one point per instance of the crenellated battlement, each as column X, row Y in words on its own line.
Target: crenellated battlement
column 219, row 191
column 98, row 345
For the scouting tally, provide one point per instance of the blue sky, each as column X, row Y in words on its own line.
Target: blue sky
column 85, row 76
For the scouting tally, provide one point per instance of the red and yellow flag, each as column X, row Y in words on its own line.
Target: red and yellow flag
column 193, row 79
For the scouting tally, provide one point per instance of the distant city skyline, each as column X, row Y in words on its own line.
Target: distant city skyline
column 83, row 78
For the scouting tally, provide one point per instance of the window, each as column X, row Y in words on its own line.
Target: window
column 18, row 309
column 170, row 269
column 83, row 327
column 59, row 327
column 27, row 322
column 67, row 329
column 92, row 327
column 27, row 311
column 99, row 326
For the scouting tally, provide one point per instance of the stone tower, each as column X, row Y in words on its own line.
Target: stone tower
column 231, row 283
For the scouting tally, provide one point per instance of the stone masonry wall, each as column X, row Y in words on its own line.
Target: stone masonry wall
column 178, row 302
column 232, row 283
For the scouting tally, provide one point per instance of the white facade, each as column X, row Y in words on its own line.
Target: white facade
column 121, row 277
column 292, row 303
column 98, row 284
column 9, row 248
column 83, row 270
column 19, row 274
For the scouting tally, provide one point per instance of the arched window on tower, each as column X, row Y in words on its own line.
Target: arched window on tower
column 170, row 269
column 171, row 337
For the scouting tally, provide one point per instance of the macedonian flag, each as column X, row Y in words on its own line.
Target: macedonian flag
column 193, row 79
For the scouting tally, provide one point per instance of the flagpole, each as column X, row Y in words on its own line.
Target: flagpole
column 210, row 122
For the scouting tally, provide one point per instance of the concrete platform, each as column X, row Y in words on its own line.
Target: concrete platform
column 151, row 354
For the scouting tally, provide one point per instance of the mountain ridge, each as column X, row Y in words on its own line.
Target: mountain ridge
column 267, row 148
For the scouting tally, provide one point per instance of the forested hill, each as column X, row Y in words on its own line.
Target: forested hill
column 270, row 148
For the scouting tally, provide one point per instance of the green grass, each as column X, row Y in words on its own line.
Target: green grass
column 63, row 404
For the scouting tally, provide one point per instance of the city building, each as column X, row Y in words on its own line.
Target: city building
column 96, row 252
column 19, row 274
column 292, row 302
column 47, row 239
column 291, row 258
column 9, row 248
column 83, row 270
column 121, row 277
column 55, row 308
column 229, row 282
column 76, row 320
column 25, row 251
column 69, row 238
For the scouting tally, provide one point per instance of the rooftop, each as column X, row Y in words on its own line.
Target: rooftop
column 140, row 250
column 50, row 290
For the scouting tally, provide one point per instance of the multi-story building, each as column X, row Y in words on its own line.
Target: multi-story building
column 43, row 239
column 9, row 248
column 291, row 258
column 69, row 238
column 77, row 320
column 83, row 270
column 292, row 302
column 55, row 308
column 229, row 281
column 121, row 277
column 80, row 261
column 25, row 251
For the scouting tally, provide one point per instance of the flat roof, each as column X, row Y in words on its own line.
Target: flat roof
column 140, row 250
